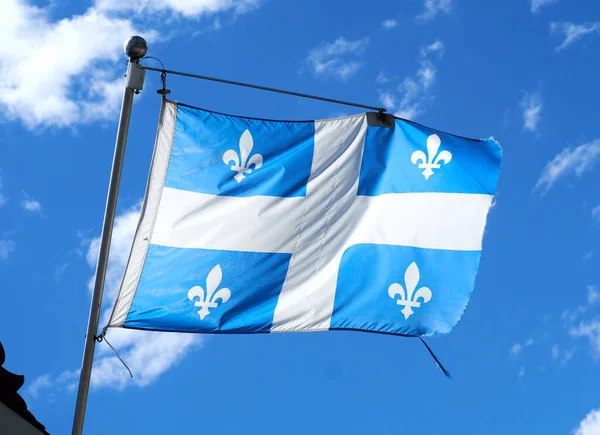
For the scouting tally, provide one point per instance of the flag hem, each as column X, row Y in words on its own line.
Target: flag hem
column 151, row 203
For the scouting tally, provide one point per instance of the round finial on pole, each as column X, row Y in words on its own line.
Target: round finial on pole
column 136, row 47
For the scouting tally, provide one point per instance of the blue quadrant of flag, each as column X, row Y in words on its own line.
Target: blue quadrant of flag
column 254, row 226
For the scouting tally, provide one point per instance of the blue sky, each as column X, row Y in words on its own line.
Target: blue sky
column 525, row 356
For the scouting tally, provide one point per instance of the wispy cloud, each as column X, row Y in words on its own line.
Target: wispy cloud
column 593, row 296
column 517, row 348
column 381, row 78
column 588, row 255
column 387, row 99
column 39, row 384
column 338, row 58
column 436, row 46
column 2, row 197
column 532, row 110
column 77, row 49
column 569, row 161
column 522, row 372
column 6, row 247
column 58, row 273
column 537, row 4
column 434, row 7
column 148, row 354
column 562, row 356
column 586, row 328
column 31, row 204
column 188, row 9
column 389, row 24
column 590, row 425
column 416, row 90
column 573, row 32
column 591, row 330
column 596, row 213
column 67, row 380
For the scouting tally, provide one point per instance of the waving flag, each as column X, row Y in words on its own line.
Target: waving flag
column 252, row 226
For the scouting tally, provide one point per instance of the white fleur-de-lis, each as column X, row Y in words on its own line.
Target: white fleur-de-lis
column 241, row 163
column 431, row 161
column 209, row 300
column 409, row 299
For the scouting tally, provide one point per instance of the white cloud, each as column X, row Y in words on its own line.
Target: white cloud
column 567, row 355
column 569, row 161
column 411, row 103
column 30, row 204
column 591, row 330
column 68, row 379
column 593, row 295
column 596, row 213
column 590, row 425
column 555, row 352
column 39, row 384
column 521, row 372
column 148, row 354
column 416, row 90
column 186, row 8
column 338, row 58
column 65, row 51
column 532, row 109
column 573, row 32
column 381, row 78
column 426, row 75
column 435, row 47
column 389, row 24
column 58, row 273
column 537, row 4
column 517, row 348
column 3, row 199
column 77, row 56
column 6, row 247
column 433, row 8
column 387, row 99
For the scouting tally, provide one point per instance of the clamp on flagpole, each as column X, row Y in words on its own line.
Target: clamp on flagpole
column 135, row 48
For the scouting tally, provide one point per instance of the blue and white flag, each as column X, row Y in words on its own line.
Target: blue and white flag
column 252, row 226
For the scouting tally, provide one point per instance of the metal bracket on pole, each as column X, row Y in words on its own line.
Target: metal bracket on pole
column 135, row 48
column 135, row 77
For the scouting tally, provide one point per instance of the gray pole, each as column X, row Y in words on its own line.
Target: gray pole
column 135, row 48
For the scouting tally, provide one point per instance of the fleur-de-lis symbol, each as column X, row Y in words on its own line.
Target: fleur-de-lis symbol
column 431, row 161
column 241, row 164
column 408, row 299
column 209, row 300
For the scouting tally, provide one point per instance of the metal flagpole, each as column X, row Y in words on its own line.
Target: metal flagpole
column 135, row 48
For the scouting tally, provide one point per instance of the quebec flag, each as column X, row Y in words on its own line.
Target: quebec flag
column 253, row 226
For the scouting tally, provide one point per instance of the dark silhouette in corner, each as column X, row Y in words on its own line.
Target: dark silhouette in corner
column 9, row 385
